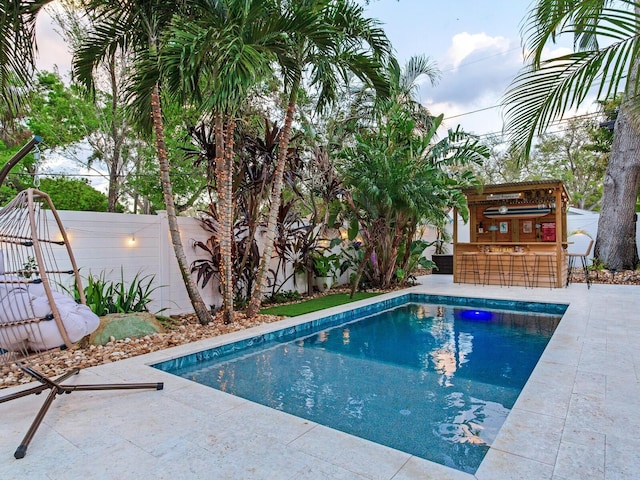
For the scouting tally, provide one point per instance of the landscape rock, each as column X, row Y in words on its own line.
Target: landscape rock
column 118, row 326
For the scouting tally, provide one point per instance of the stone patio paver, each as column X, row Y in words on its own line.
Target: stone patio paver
column 576, row 417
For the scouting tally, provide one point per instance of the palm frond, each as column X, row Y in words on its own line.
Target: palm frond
column 546, row 90
column 17, row 49
column 416, row 67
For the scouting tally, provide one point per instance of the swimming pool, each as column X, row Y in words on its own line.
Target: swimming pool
column 431, row 376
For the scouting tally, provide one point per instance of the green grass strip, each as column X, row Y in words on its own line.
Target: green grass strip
column 315, row 304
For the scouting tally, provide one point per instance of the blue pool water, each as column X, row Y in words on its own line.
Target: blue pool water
column 435, row 380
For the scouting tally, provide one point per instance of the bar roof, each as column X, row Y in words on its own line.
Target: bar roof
column 518, row 186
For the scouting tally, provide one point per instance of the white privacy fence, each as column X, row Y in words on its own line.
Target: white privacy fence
column 112, row 243
column 122, row 244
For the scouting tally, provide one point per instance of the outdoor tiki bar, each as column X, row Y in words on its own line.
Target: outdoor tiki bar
column 517, row 235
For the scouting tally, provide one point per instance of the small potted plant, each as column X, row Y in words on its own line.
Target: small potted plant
column 324, row 267
column 441, row 257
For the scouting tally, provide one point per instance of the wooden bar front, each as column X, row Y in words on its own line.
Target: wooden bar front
column 518, row 236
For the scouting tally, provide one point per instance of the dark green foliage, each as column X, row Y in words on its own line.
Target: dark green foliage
column 74, row 194
column 283, row 297
column 60, row 114
column 325, row 265
column 104, row 296
column 399, row 178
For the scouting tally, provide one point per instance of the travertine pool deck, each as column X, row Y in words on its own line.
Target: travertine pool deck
column 578, row 417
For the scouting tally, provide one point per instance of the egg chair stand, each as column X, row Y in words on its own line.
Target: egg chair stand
column 38, row 316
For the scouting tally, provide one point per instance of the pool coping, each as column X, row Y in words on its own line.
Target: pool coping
column 345, row 316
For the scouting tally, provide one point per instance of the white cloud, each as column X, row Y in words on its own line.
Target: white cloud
column 53, row 51
column 476, row 71
column 464, row 44
column 553, row 52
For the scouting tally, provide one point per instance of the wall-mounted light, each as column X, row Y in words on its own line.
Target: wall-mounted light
column 132, row 240
column 60, row 239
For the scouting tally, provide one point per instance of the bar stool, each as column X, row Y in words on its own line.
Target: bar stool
column 469, row 264
column 489, row 265
column 583, row 258
column 518, row 268
column 546, row 259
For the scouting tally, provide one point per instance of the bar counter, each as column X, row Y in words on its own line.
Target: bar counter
column 530, row 264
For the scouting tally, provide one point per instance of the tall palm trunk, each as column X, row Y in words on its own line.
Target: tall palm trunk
column 224, row 189
column 204, row 316
column 117, row 137
column 392, row 259
column 276, row 192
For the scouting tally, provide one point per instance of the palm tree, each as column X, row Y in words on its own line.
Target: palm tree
column 17, row 47
column 215, row 59
column 135, row 27
column 547, row 89
column 366, row 109
column 342, row 41
column 397, row 173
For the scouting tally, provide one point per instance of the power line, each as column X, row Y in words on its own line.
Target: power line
column 473, row 111
column 552, row 124
column 97, row 175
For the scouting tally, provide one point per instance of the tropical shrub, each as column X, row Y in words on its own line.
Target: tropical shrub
column 105, row 296
column 283, row 297
column 398, row 178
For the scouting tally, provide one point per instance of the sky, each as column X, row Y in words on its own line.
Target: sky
column 475, row 43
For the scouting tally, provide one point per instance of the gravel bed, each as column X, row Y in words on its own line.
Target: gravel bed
column 186, row 329
column 624, row 277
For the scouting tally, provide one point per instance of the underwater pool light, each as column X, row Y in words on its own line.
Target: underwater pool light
column 476, row 315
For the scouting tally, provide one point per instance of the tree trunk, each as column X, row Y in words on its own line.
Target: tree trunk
column 276, row 192
column 203, row 313
column 356, row 280
column 616, row 239
column 224, row 189
column 116, row 137
column 228, row 216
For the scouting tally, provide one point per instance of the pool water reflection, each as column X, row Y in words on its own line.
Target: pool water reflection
column 431, row 380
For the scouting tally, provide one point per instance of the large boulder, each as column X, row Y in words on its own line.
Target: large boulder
column 125, row 325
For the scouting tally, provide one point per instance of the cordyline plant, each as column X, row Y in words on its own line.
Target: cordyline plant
column 244, row 251
column 252, row 179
